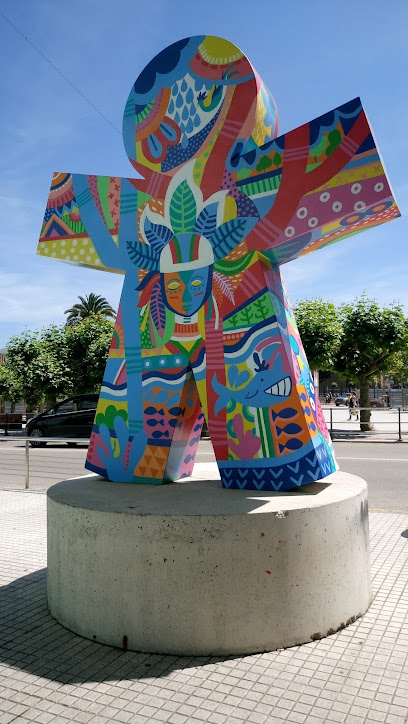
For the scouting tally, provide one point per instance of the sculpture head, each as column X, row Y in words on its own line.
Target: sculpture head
column 178, row 104
column 186, row 265
column 183, row 245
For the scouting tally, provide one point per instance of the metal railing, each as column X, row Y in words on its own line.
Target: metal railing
column 397, row 423
column 11, row 421
column 400, row 420
column 28, row 440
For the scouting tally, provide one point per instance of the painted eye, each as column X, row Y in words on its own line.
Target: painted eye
column 173, row 285
column 196, row 283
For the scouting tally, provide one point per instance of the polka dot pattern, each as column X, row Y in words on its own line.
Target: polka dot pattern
column 75, row 251
column 346, row 205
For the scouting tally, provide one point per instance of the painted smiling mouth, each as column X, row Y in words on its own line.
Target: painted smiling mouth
column 281, row 388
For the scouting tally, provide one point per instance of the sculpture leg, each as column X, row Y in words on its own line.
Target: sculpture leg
column 172, row 420
column 148, row 407
column 276, row 434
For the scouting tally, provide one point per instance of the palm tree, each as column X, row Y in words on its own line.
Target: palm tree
column 92, row 304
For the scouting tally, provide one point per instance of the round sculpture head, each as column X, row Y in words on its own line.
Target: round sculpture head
column 177, row 106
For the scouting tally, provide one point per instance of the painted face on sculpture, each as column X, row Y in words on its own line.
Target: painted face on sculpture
column 186, row 291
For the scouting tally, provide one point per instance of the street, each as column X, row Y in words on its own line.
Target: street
column 384, row 465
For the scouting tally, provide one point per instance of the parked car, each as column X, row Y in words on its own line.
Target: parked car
column 70, row 418
column 342, row 399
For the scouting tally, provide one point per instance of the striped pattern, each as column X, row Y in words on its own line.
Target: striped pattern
column 296, row 154
column 266, row 231
column 250, row 284
column 265, row 185
column 349, row 146
column 231, row 129
column 227, row 236
column 133, row 360
column 128, row 203
column 84, row 198
column 142, row 255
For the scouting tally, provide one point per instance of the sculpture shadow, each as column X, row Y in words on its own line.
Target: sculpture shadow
column 33, row 641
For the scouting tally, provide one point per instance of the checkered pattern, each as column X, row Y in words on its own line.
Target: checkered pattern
column 48, row 674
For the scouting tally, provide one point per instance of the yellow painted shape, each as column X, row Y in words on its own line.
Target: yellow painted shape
column 218, row 51
column 330, row 227
column 202, row 393
column 230, row 209
column 145, row 318
column 80, row 251
column 104, row 404
column 348, row 177
column 201, row 322
column 260, row 131
column 187, row 344
column 141, row 158
column 71, row 250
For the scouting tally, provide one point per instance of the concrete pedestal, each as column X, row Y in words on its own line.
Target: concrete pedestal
column 192, row 568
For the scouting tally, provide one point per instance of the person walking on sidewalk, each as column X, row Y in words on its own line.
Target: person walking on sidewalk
column 352, row 404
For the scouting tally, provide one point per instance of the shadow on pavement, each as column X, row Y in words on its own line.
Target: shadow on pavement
column 33, row 641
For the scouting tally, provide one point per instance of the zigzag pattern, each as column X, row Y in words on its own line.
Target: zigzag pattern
column 281, row 477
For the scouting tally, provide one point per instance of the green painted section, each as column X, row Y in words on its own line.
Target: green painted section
column 103, row 190
column 255, row 312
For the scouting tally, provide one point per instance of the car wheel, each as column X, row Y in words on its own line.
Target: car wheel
column 36, row 432
column 72, row 444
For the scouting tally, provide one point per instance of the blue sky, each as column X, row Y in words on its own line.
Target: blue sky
column 313, row 56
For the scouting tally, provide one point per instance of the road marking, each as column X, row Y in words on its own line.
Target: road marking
column 379, row 460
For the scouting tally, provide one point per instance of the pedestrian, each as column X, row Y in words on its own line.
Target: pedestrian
column 352, row 405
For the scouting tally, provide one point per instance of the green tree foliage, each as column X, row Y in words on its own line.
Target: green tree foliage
column 33, row 372
column 321, row 332
column 90, row 304
column 373, row 335
column 356, row 340
column 87, row 347
column 8, row 385
column 398, row 366
column 56, row 362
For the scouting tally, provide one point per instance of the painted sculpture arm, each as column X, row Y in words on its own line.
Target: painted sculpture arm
column 83, row 218
column 93, row 216
column 329, row 180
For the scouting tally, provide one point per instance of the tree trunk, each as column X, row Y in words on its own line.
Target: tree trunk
column 365, row 415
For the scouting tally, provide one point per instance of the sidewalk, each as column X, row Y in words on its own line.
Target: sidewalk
column 48, row 674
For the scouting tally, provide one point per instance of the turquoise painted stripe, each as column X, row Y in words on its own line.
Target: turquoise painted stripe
column 84, row 197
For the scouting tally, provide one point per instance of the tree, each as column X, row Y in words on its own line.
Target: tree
column 358, row 341
column 321, row 332
column 398, row 366
column 8, row 388
column 92, row 304
column 372, row 336
column 35, row 367
column 56, row 362
column 87, row 347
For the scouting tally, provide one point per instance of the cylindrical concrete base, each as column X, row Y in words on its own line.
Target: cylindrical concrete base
column 192, row 568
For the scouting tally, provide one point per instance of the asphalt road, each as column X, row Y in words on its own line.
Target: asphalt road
column 383, row 465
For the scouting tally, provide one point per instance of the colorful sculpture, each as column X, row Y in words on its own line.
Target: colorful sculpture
column 205, row 328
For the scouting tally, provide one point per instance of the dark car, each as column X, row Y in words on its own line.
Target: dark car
column 70, row 418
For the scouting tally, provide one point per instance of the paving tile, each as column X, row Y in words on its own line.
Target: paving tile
column 50, row 675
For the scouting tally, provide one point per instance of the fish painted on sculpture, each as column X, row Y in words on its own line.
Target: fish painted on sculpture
column 267, row 387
